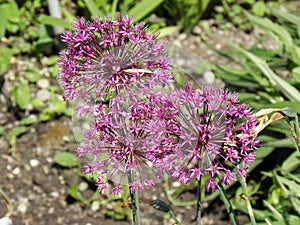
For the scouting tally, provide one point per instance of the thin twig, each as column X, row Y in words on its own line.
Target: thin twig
column 8, row 203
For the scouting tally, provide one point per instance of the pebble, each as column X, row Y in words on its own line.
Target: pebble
column 46, row 169
column 54, row 194
column 176, row 184
column 29, row 107
column 34, row 162
column 10, row 176
column 197, row 30
column 43, row 94
column 8, row 167
column 16, row 171
column 209, row 77
column 49, row 160
column 61, row 180
column 43, row 83
column 44, row 61
column 95, row 206
column 5, row 221
column 51, row 210
column 218, row 46
column 83, row 186
column 182, row 36
column 22, row 207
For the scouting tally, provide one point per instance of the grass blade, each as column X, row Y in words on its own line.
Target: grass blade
column 93, row 8
column 144, row 8
column 268, row 25
column 50, row 20
column 284, row 15
column 288, row 90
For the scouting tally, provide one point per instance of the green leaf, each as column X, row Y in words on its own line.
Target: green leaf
column 13, row 16
column 296, row 73
column 59, row 106
column 46, row 114
column 296, row 204
column 66, row 159
column 70, row 16
column 44, row 44
column 28, row 120
column 2, row 131
column 291, row 187
column 3, row 21
column 284, row 15
column 73, row 191
column 268, row 25
column 276, row 214
column 22, row 95
column 5, row 56
column 52, row 60
column 143, row 9
column 166, row 31
column 292, row 104
column 232, row 70
column 179, row 78
column 266, row 53
column 93, row 8
column 294, row 53
column 13, row 12
column 36, row 102
column 54, row 21
column 13, row 136
column 288, row 90
column 33, row 75
column 259, row 8
column 281, row 143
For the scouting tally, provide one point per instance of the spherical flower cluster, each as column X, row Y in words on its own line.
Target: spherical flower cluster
column 131, row 135
column 104, row 56
column 216, row 137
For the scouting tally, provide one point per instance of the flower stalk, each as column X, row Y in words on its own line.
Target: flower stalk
column 227, row 203
column 245, row 196
column 134, row 201
column 198, row 219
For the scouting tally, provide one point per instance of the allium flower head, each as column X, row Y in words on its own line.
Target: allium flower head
column 104, row 56
column 216, row 136
column 128, row 136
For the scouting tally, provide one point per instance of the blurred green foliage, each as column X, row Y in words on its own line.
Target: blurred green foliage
column 259, row 72
column 25, row 31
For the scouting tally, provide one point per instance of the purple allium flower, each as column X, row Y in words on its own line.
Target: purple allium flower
column 216, row 136
column 104, row 56
column 130, row 135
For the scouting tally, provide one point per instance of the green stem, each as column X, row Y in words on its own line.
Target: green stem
column 227, row 203
column 199, row 202
column 174, row 217
column 245, row 196
column 134, row 201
